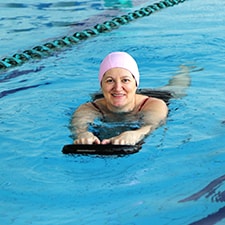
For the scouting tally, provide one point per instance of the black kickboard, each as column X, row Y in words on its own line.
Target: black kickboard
column 95, row 149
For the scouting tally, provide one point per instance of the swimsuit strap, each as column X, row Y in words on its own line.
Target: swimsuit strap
column 140, row 108
column 97, row 107
column 142, row 104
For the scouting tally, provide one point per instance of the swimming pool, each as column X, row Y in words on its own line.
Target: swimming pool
column 40, row 185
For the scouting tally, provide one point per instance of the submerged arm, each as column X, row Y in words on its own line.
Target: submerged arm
column 80, row 122
column 154, row 115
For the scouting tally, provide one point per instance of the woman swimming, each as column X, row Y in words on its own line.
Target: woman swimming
column 119, row 79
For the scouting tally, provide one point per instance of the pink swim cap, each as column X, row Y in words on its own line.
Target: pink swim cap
column 121, row 60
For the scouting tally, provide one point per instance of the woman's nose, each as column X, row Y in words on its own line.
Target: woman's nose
column 118, row 85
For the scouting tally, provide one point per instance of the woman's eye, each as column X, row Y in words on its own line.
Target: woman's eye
column 126, row 80
column 109, row 81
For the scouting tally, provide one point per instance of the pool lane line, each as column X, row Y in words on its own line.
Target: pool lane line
column 49, row 48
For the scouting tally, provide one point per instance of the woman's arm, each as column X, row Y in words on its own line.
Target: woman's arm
column 81, row 119
column 154, row 115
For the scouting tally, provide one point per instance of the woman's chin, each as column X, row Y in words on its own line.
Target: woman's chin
column 120, row 107
column 118, row 104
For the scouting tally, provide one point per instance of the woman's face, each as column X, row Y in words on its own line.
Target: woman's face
column 119, row 89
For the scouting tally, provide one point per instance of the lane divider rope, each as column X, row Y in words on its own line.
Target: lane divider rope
column 49, row 48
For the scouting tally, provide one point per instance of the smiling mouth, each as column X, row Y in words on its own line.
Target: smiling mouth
column 117, row 95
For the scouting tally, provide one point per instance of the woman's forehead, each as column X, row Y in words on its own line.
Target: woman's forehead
column 117, row 72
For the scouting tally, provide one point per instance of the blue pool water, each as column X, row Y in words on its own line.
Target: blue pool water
column 177, row 177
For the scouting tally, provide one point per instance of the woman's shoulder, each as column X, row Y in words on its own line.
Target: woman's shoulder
column 142, row 97
column 147, row 102
column 99, row 101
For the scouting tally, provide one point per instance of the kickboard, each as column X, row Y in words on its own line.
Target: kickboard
column 95, row 149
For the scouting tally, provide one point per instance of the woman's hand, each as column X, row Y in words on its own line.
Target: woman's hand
column 87, row 138
column 125, row 138
column 129, row 137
